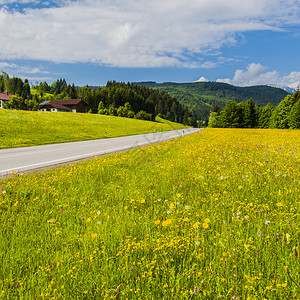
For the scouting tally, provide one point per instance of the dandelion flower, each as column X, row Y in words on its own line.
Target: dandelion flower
column 205, row 225
column 196, row 225
column 207, row 220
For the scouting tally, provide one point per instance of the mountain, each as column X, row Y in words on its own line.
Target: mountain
column 200, row 97
column 289, row 90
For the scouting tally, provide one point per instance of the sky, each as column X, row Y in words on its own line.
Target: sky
column 90, row 42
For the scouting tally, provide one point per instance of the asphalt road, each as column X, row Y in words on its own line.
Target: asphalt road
column 39, row 157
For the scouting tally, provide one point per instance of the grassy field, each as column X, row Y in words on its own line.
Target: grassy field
column 214, row 215
column 23, row 128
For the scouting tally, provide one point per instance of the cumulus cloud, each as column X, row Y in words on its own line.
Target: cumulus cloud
column 25, row 72
column 14, row 68
column 202, row 79
column 256, row 74
column 136, row 33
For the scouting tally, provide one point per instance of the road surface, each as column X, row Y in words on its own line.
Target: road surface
column 16, row 160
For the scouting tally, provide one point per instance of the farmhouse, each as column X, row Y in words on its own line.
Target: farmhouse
column 70, row 105
column 4, row 97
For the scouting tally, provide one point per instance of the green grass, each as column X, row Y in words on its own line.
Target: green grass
column 36, row 92
column 214, row 215
column 23, row 128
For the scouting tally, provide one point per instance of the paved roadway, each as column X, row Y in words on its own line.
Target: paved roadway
column 45, row 156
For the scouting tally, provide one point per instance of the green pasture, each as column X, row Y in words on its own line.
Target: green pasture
column 24, row 128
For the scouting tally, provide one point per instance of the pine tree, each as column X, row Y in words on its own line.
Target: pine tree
column 231, row 115
column 213, row 120
column 280, row 115
column 294, row 117
column 250, row 114
column 264, row 116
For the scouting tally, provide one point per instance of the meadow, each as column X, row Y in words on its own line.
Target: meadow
column 25, row 128
column 213, row 215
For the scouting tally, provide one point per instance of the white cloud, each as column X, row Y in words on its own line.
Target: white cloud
column 202, row 79
column 24, row 71
column 136, row 33
column 17, row 1
column 209, row 65
column 256, row 74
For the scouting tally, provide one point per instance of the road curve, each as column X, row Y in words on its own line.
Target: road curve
column 16, row 160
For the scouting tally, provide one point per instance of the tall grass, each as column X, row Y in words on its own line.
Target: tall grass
column 23, row 128
column 208, row 216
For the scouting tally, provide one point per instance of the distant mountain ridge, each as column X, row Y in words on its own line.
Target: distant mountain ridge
column 200, row 97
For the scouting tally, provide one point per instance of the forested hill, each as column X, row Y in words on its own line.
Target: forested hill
column 200, row 97
column 116, row 98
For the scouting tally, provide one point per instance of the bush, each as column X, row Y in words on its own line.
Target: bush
column 142, row 115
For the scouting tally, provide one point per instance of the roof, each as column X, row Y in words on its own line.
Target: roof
column 44, row 102
column 62, row 102
column 59, row 106
column 67, row 102
column 5, row 96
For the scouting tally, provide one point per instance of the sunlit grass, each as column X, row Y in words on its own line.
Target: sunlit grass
column 23, row 128
column 212, row 215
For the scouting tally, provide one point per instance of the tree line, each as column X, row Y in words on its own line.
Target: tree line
column 116, row 98
column 286, row 115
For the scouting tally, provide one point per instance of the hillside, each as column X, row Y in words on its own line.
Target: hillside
column 116, row 99
column 200, row 97
column 25, row 128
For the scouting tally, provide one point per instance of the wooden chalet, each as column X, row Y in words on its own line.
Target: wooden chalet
column 4, row 97
column 70, row 105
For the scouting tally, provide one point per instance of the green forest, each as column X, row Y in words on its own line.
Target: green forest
column 116, row 98
column 200, row 97
column 286, row 115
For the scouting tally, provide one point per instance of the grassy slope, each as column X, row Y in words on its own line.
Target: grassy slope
column 22, row 128
column 215, row 213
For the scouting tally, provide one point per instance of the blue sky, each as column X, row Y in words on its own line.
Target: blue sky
column 93, row 41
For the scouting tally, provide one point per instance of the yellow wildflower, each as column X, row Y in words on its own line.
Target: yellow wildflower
column 196, row 225
column 166, row 222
